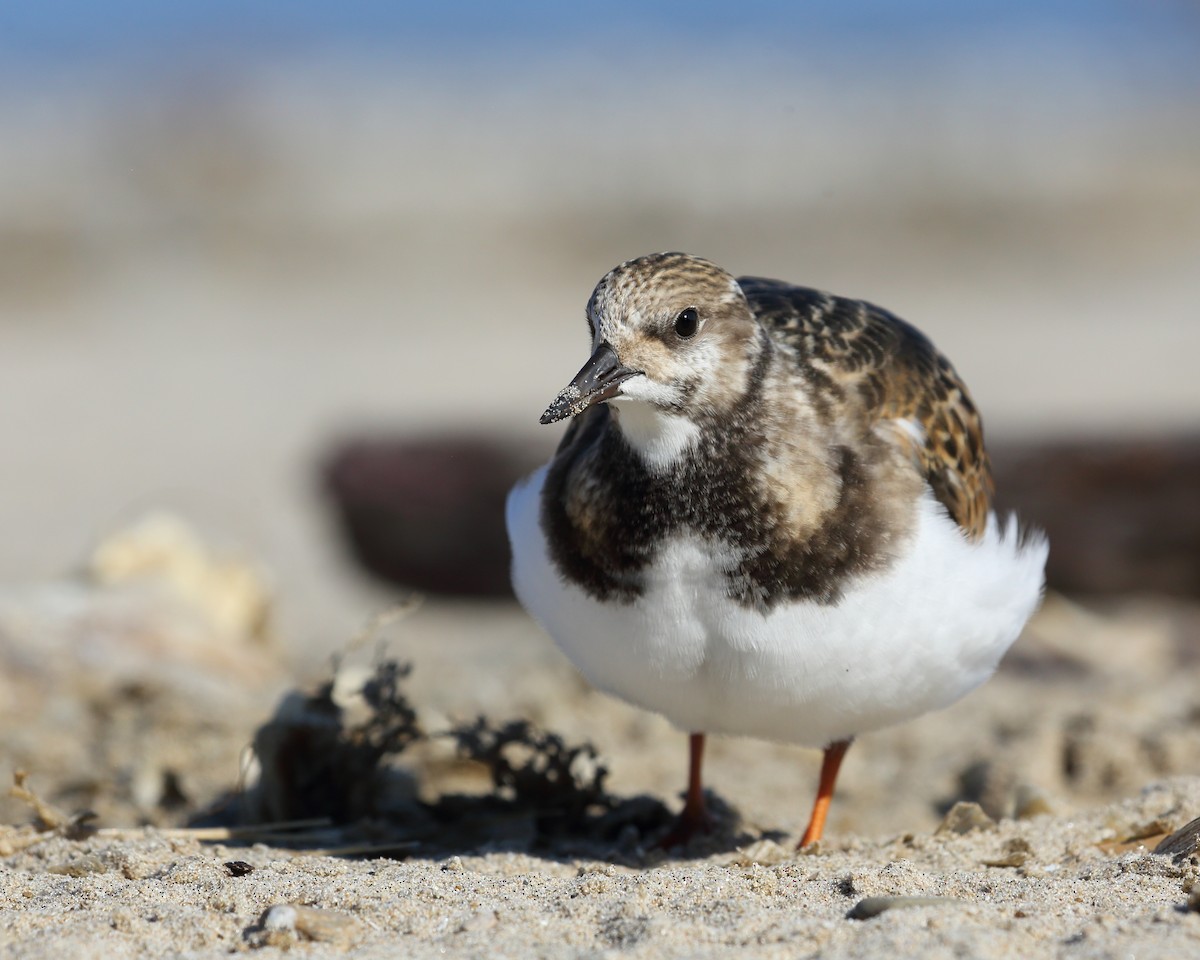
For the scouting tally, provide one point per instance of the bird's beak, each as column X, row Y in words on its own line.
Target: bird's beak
column 599, row 380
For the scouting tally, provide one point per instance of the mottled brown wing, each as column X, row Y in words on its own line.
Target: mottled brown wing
column 863, row 356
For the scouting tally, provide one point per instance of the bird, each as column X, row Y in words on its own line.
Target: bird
column 770, row 516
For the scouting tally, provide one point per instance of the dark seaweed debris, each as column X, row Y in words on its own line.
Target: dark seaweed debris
column 345, row 756
column 317, row 762
column 537, row 769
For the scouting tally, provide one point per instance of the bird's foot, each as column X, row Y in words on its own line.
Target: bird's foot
column 830, row 764
column 692, row 822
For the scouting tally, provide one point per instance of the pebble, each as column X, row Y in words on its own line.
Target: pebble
column 1016, row 852
column 1030, row 802
column 964, row 817
column 80, row 867
column 308, row 923
column 870, row 907
column 280, row 918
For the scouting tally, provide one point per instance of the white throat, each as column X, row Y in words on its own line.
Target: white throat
column 660, row 438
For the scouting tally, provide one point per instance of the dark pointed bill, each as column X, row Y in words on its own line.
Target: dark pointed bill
column 599, row 380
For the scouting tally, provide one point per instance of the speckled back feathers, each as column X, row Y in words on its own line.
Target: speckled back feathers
column 869, row 365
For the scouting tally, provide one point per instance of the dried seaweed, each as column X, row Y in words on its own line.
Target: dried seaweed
column 338, row 752
column 50, row 819
column 318, row 761
column 537, row 770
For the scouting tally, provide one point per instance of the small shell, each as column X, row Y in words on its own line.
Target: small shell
column 1182, row 843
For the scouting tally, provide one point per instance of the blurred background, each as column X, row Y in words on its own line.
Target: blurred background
column 234, row 236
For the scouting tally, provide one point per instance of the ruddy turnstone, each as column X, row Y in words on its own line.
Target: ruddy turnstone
column 770, row 517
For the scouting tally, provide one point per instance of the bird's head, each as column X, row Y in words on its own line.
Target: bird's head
column 673, row 339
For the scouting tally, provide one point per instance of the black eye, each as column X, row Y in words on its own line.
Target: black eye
column 687, row 323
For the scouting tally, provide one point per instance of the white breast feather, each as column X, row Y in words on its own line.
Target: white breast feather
column 913, row 638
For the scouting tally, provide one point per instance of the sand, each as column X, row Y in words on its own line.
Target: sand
column 1076, row 762
column 155, row 896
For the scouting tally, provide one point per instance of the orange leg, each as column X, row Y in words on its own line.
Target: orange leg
column 694, row 817
column 830, row 765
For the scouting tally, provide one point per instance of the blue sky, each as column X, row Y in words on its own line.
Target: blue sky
column 153, row 32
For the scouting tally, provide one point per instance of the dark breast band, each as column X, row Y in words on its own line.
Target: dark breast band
column 606, row 516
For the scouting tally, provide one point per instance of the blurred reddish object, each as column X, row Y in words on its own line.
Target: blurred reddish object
column 1123, row 516
column 428, row 513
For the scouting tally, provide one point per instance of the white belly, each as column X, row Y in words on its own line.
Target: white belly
column 911, row 639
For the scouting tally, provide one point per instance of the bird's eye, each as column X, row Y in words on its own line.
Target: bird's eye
column 687, row 323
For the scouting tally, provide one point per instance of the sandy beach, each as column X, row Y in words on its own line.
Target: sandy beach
column 1083, row 763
